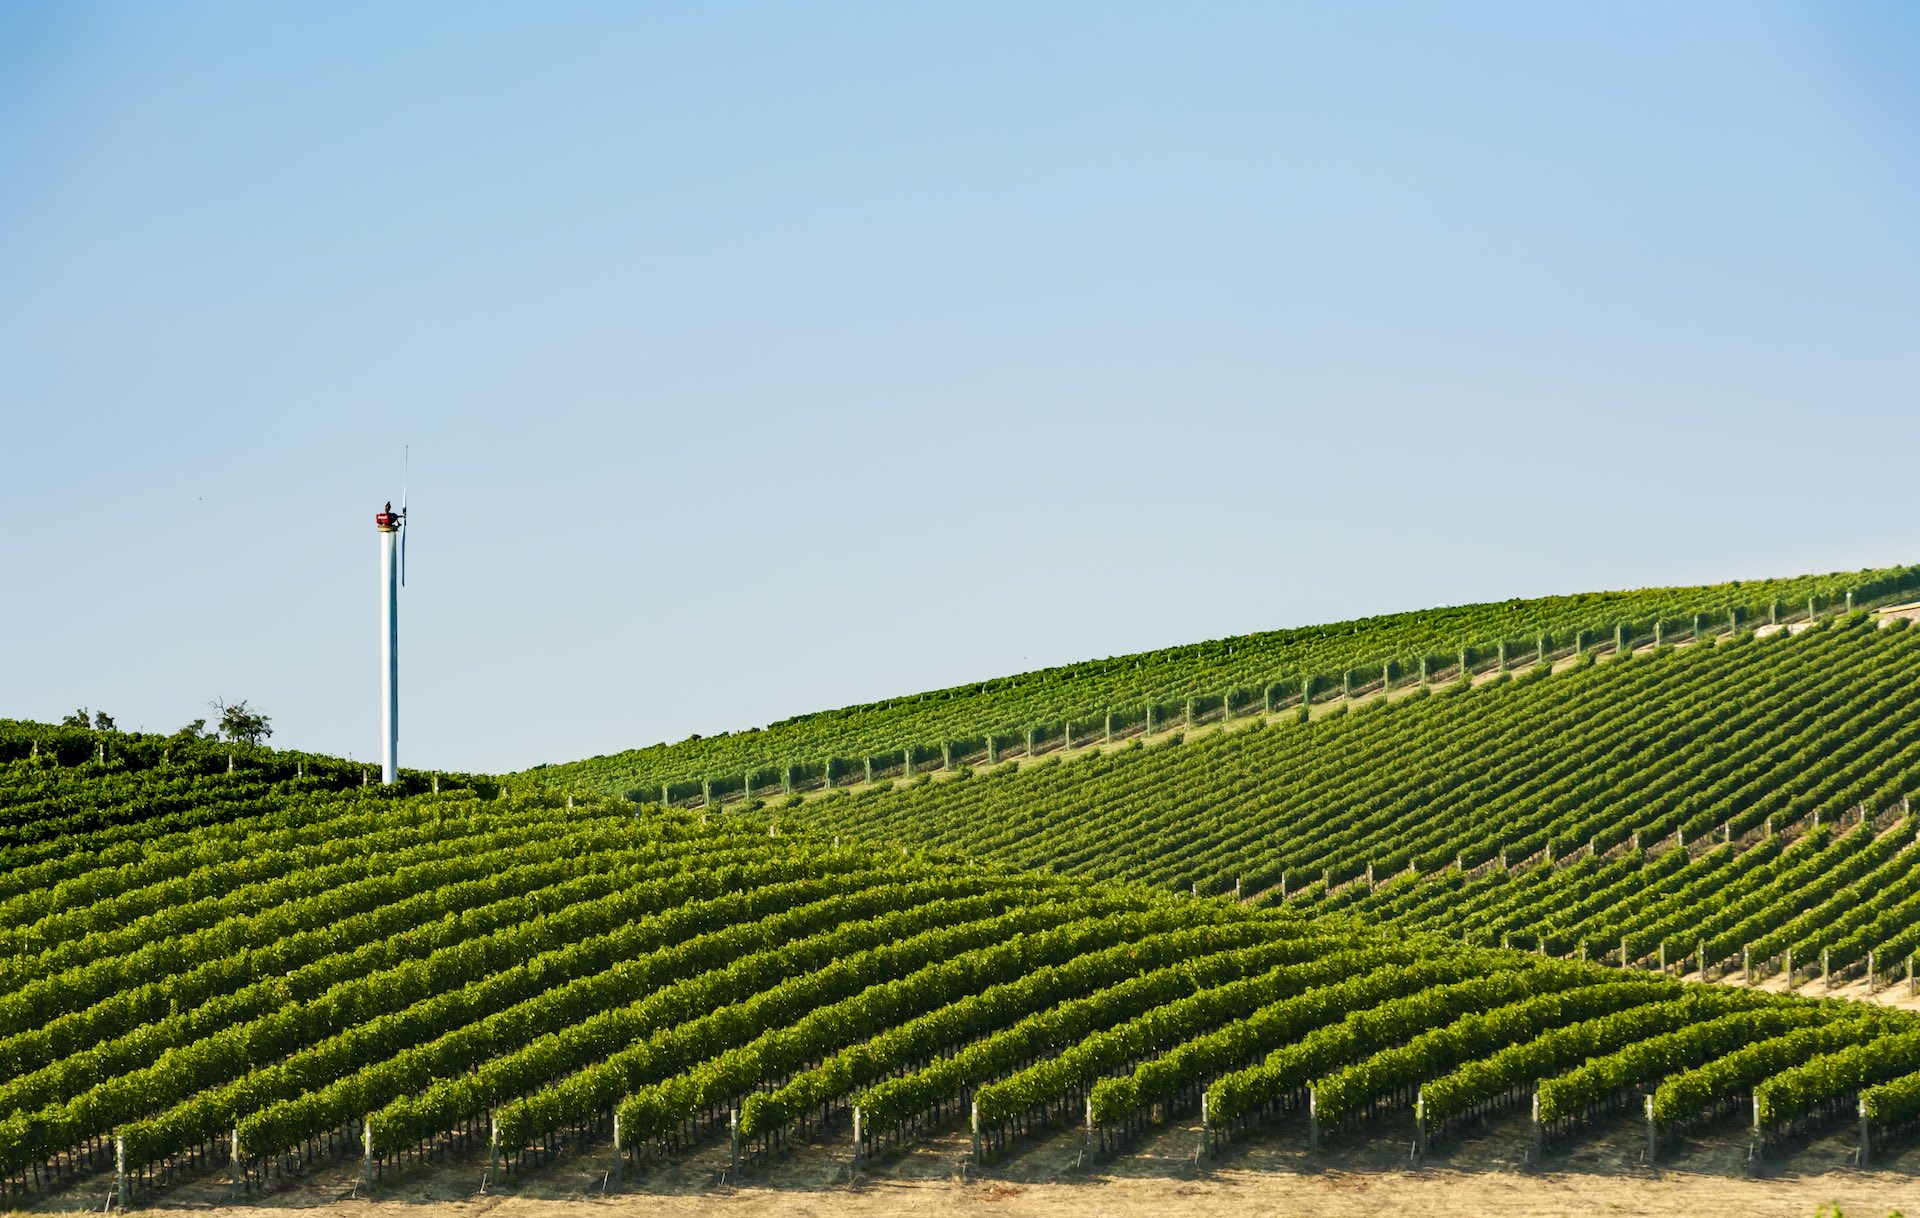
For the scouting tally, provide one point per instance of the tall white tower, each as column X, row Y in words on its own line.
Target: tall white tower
column 390, row 522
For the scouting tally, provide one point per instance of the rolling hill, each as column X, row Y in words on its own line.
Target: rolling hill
column 513, row 973
column 1038, row 711
column 1432, row 871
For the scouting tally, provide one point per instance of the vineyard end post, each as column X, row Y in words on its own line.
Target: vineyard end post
column 1420, row 1121
column 619, row 1150
column 366, row 1152
column 1538, row 1138
column 858, row 1122
column 973, row 1123
column 493, row 1148
column 1866, row 1134
column 234, row 1160
column 733, row 1145
column 120, row 1170
column 1313, row 1120
column 1206, row 1128
column 1653, row 1136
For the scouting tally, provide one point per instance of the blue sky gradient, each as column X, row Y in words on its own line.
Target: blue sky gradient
column 762, row 358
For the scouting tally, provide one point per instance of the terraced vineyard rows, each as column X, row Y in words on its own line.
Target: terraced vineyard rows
column 380, row 974
column 1037, row 711
column 1741, row 798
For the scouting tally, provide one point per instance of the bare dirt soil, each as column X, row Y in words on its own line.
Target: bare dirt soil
column 1360, row 1175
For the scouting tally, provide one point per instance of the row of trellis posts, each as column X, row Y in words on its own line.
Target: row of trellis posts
column 1275, row 696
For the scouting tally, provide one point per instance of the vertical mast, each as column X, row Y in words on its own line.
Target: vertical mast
column 389, row 525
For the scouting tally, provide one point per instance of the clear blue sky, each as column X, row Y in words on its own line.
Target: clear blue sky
column 761, row 358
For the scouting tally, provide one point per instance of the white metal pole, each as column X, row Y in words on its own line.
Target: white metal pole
column 389, row 655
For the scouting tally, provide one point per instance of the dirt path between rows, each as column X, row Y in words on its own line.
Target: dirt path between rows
column 1327, row 1195
column 1360, row 1175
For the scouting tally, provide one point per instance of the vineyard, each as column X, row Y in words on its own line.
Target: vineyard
column 1736, row 806
column 1037, row 712
column 302, row 968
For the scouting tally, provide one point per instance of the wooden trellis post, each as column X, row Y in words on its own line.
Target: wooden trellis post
column 1420, row 1117
column 493, row 1145
column 1538, row 1136
column 1653, row 1136
column 1866, row 1130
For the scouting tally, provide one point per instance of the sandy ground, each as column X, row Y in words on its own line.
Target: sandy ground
column 1895, row 995
column 1360, row 1174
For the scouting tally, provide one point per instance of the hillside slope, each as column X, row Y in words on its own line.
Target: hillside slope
column 1037, row 710
column 371, row 971
column 1742, row 796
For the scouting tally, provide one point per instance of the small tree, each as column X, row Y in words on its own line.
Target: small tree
column 103, row 722
column 197, row 730
column 241, row 723
column 79, row 718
